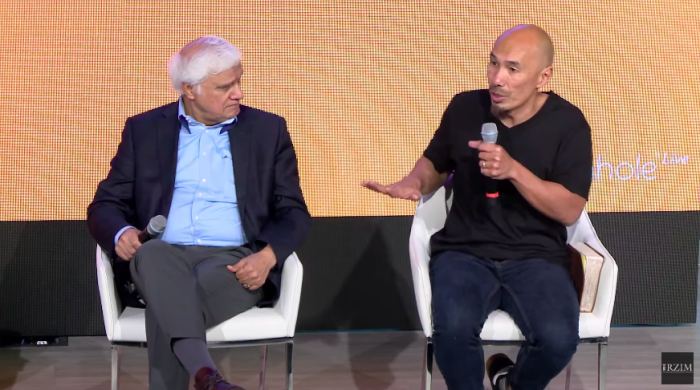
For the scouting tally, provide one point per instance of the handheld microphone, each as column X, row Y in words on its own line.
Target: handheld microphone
column 489, row 134
column 155, row 227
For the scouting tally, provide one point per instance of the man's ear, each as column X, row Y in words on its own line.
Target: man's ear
column 188, row 91
column 545, row 76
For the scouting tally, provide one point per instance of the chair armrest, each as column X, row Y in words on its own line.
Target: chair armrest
column 111, row 305
column 607, row 286
column 419, row 254
column 429, row 218
column 583, row 231
column 290, row 292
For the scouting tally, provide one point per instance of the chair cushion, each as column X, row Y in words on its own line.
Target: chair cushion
column 254, row 324
column 500, row 327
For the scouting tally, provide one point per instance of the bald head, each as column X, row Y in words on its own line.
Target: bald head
column 531, row 38
column 520, row 64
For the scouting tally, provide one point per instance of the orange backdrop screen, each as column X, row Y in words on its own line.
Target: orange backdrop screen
column 362, row 84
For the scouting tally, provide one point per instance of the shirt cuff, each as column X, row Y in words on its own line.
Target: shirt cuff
column 119, row 234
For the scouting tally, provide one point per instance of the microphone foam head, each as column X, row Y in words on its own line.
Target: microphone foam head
column 489, row 132
column 157, row 224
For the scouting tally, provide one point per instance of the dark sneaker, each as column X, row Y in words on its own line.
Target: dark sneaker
column 497, row 368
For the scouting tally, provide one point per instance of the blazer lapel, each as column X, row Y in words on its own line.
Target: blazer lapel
column 239, row 138
column 168, row 137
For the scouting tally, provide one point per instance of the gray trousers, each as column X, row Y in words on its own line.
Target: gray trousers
column 187, row 289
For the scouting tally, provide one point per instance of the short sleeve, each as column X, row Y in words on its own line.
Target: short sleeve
column 574, row 159
column 439, row 150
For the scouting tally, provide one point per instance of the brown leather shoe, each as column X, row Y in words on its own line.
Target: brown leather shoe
column 209, row 379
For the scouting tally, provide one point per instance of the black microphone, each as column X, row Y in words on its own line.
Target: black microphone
column 489, row 134
column 155, row 227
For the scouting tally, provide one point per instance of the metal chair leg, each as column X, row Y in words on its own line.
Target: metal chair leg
column 263, row 365
column 568, row 375
column 602, row 364
column 116, row 365
column 427, row 365
column 290, row 379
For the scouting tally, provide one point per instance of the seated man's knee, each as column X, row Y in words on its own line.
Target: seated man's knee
column 151, row 253
column 558, row 341
column 458, row 303
column 457, row 320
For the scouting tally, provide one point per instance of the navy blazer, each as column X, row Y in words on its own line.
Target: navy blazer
column 141, row 182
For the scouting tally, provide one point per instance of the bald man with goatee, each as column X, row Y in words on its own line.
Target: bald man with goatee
column 507, row 252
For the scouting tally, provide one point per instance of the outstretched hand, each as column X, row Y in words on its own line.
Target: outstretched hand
column 405, row 189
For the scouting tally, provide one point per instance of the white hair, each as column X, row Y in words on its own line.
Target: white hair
column 200, row 58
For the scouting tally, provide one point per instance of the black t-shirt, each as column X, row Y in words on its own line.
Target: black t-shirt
column 555, row 145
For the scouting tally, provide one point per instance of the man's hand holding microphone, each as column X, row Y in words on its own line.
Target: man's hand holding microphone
column 128, row 244
column 132, row 239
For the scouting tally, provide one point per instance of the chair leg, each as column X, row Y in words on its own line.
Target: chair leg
column 263, row 365
column 568, row 376
column 290, row 379
column 116, row 365
column 427, row 365
column 602, row 364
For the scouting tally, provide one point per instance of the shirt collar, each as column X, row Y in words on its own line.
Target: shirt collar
column 187, row 120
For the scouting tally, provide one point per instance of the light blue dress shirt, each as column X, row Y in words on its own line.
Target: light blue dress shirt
column 204, row 209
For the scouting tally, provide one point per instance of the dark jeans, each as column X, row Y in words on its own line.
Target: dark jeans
column 537, row 294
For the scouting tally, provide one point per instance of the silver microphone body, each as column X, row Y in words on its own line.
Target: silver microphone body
column 489, row 134
column 155, row 227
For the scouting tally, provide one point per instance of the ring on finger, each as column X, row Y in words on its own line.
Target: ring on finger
column 483, row 164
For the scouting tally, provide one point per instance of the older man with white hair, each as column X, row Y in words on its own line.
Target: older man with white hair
column 226, row 177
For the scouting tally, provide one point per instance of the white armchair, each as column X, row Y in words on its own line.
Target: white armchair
column 255, row 327
column 499, row 328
